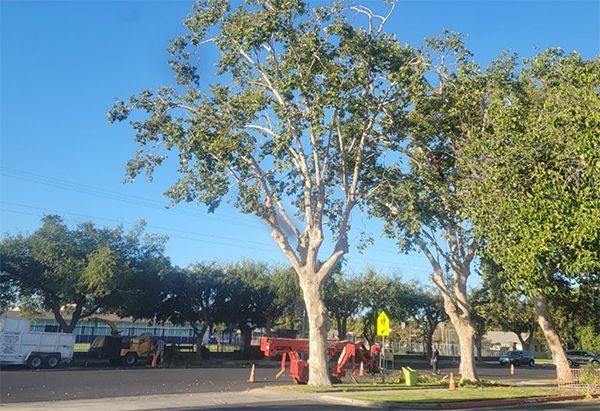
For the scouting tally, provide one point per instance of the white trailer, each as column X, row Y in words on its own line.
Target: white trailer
column 20, row 345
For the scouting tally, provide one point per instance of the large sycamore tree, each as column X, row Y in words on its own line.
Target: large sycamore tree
column 290, row 128
column 535, row 168
column 420, row 195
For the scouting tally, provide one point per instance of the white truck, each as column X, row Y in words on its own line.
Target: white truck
column 20, row 345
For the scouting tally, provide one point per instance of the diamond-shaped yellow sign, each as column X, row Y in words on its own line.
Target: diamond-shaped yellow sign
column 383, row 325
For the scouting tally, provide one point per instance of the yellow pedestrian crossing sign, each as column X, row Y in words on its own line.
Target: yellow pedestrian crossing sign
column 383, row 325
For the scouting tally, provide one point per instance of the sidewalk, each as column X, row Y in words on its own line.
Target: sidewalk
column 346, row 398
column 173, row 401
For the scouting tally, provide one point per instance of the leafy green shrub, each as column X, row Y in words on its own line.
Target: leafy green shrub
column 589, row 339
column 394, row 377
column 590, row 376
column 427, row 378
column 479, row 383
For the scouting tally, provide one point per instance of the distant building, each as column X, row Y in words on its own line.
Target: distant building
column 86, row 330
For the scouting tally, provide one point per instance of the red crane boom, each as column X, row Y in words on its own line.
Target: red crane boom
column 348, row 351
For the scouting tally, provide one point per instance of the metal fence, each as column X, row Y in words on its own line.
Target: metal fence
column 86, row 331
column 582, row 378
column 446, row 349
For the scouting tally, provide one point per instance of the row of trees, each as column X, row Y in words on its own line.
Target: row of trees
column 76, row 273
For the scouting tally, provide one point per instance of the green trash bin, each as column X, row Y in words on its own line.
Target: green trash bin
column 410, row 376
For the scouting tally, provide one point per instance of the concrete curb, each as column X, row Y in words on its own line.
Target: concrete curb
column 506, row 402
column 333, row 399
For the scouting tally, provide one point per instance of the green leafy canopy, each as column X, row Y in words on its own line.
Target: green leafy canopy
column 303, row 107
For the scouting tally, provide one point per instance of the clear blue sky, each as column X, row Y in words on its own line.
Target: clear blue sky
column 62, row 64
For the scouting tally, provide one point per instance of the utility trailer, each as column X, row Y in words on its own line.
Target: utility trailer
column 19, row 345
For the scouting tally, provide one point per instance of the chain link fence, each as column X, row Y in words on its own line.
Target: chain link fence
column 450, row 349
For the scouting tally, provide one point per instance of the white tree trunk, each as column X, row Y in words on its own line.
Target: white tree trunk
column 563, row 371
column 318, row 325
column 457, row 309
column 466, row 338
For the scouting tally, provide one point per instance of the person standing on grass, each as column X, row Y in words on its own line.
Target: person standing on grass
column 435, row 358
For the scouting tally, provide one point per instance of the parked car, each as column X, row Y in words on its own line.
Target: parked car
column 517, row 357
column 576, row 358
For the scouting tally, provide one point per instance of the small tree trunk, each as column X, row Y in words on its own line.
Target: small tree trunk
column 246, row 340
column 530, row 331
column 199, row 338
column 478, row 343
column 368, row 330
column 527, row 341
column 67, row 327
column 344, row 329
column 563, row 372
column 318, row 324
column 428, row 334
column 268, row 326
column 338, row 321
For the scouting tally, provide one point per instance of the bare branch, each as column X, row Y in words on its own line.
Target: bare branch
column 265, row 130
column 387, row 16
column 367, row 12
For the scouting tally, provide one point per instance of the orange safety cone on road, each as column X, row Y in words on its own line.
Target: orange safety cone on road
column 361, row 372
column 512, row 369
column 252, row 375
column 154, row 360
column 452, row 386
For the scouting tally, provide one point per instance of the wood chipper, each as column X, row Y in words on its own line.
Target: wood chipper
column 120, row 350
column 294, row 349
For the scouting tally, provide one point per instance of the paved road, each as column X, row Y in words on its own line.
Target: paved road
column 22, row 385
column 68, row 384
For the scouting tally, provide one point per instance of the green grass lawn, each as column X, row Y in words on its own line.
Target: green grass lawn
column 461, row 394
column 354, row 387
column 545, row 361
column 84, row 347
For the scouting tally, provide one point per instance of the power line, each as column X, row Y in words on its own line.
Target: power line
column 167, row 229
column 146, row 202
column 354, row 260
column 111, row 195
column 131, row 199
column 149, row 226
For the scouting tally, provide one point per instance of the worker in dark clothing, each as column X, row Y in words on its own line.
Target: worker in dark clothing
column 435, row 358
column 159, row 348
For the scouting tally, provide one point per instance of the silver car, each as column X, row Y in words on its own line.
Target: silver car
column 517, row 357
column 576, row 358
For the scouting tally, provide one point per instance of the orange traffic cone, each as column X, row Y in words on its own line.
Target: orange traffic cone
column 452, row 386
column 512, row 369
column 154, row 360
column 361, row 372
column 252, row 375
